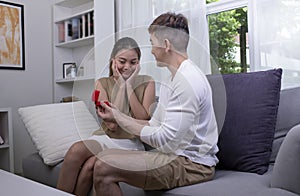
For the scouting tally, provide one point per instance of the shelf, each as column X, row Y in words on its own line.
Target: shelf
column 73, row 16
column 68, row 80
column 4, row 146
column 6, row 132
column 77, row 42
column 73, row 3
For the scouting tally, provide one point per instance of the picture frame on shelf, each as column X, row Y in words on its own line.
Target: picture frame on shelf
column 69, row 70
column 12, row 55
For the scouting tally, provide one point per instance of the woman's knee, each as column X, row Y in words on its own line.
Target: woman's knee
column 77, row 151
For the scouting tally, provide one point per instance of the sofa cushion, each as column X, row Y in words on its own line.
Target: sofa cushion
column 225, row 183
column 35, row 169
column 53, row 128
column 246, row 137
column 286, row 173
column 287, row 117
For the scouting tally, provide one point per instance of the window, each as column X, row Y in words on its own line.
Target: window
column 274, row 33
column 276, row 28
column 228, row 37
column 265, row 34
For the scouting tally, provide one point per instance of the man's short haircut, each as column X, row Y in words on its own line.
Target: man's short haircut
column 173, row 27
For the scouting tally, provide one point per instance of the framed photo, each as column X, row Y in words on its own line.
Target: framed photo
column 12, row 49
column 67, row 70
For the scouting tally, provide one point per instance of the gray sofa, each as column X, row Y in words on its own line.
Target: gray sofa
column 281, row 175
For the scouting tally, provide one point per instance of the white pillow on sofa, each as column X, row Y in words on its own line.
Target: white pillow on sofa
column 53, row 128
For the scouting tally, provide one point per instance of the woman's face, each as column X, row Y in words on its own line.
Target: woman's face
column 126, row 61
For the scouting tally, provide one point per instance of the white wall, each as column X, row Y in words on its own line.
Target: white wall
column 34, row 85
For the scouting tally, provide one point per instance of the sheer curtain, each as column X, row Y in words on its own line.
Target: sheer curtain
column 132, row 19
column 275, row 28
column 195, row 11
column 134, row 16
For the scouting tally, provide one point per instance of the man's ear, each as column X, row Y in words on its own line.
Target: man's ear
column 167, row 45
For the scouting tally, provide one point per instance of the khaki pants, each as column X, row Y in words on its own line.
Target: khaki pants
column 178, row 171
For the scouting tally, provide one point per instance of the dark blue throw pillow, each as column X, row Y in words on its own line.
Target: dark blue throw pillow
column 246, row 137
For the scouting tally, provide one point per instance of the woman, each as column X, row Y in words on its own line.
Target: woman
column 132, row 94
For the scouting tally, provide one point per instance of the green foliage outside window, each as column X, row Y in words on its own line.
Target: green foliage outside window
column 224, row 29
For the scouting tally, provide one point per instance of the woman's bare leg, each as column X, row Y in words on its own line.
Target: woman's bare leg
column 85, row 178
column 78, row 153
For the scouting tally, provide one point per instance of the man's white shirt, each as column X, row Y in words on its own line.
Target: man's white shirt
column 184, row 121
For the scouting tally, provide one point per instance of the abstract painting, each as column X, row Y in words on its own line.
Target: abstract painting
column 12, row 49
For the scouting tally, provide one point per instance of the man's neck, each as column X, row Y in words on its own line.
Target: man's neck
column 176, row 61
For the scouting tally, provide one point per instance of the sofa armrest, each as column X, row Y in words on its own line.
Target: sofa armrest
column 286, row 173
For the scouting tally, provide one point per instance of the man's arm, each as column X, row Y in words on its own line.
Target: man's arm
column 129, row 124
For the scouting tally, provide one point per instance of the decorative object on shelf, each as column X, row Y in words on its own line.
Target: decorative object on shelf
column 1, row 141
column 69, row 70
column 12, row 49
column 80, row 72
column 69, row 99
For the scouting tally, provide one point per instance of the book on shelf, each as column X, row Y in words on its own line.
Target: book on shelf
column 68, row 30
column 75, row 28
column 61, row 32
column 80, row 27
column 86, row 24
column 92, row 22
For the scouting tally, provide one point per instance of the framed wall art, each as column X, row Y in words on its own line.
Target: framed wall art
column 12, row 49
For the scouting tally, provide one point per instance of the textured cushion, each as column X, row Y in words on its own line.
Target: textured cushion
column 247, row 134
column 286, row 173
column 288, row 116
column 55, row 127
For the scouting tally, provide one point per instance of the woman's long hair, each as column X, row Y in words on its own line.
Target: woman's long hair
column 121, row 44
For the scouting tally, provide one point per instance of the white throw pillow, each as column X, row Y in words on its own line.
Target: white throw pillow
column 55, row 127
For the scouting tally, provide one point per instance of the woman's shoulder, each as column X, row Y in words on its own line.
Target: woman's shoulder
column 105, row 79
column 145, row 78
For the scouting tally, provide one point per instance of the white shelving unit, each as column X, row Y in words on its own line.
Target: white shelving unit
column 6, row 133
column 80, row 50
column 74, row 34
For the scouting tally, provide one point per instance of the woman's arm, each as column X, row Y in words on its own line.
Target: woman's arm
column 141, row 110
column 102, row 97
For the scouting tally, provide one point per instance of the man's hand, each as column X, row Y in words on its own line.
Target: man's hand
column 111, row 126
column 107, row 111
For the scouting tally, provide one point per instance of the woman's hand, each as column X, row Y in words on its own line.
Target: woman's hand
column 116, row 73
column 130, row 80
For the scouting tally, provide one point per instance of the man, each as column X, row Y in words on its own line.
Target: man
column 182, row 130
